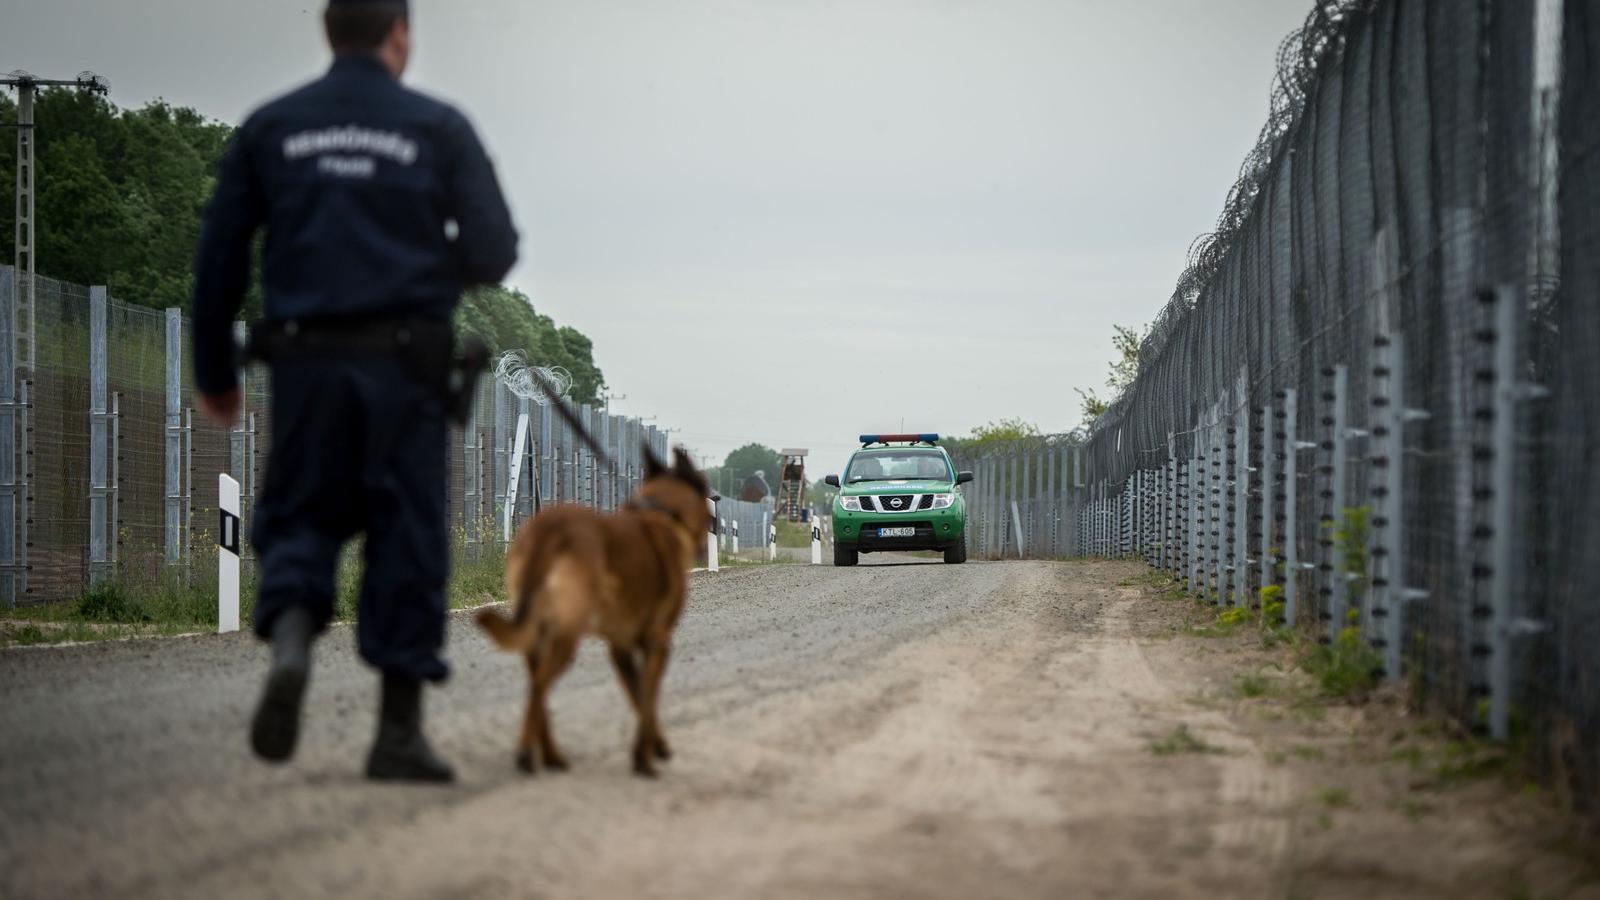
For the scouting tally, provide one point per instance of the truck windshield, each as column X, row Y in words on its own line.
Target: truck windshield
column 894, row 465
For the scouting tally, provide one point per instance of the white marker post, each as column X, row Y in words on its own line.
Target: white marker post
column 1016, row 519
column 816, row 541
column 513, row 480
column 712, row 563
column 735, row 537
column 772, row 541
column 228, row 555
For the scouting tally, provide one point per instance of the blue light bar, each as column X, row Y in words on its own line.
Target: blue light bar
column 903, row 438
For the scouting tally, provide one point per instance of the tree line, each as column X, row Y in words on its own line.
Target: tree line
column 119, row 195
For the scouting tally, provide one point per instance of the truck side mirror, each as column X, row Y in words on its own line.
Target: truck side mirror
column 963, row 477
column 831, row 480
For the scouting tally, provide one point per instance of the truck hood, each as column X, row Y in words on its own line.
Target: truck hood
column 897, row 487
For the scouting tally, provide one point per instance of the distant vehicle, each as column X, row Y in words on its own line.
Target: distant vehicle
column 899, row 493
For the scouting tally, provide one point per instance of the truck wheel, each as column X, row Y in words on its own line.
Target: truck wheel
column 845, row 556
column 956, row 554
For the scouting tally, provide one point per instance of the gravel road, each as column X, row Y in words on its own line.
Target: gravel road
column 903, row 728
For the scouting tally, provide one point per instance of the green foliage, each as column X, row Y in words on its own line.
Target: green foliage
column 1181, row 740
column 121, row 194
column 1252, row 685
column 1234, row 616
column 1350, row 536
column 110, row 602
column 1090, row 404
column 1124, row 369
column 1271, row 605
column 1346, row 668
column 1334, row 797
column 998, row 435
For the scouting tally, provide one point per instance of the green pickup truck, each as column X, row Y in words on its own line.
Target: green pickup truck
column 899, row 493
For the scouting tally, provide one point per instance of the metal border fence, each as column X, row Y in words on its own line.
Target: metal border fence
column 107, row 473
column 1375, row 389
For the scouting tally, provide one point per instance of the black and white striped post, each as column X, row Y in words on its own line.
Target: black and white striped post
column 772, row 539
column 228, row 555
column 712, row 562
column 735, row 537
column 816, row 540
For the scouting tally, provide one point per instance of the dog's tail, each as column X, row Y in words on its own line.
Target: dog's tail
column 537, row 605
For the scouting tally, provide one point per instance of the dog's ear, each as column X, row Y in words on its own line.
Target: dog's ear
column 683, row 465
column 653, row 466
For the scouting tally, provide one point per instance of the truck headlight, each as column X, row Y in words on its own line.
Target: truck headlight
column 943, row 501
column 850, row 504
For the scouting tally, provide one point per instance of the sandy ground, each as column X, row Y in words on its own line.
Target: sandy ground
column 900, row 729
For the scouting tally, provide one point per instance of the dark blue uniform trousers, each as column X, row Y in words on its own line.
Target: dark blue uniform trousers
column 357, row 447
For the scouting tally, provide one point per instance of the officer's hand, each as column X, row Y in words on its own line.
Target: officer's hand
column 222, row 408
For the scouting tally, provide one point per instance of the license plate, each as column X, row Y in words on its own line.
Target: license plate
column 897, row 532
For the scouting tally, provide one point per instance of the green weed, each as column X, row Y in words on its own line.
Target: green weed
column 111, row 602
column 1181, row 740
column 1252, row 685
column 1346, row 668
column 1334, row 797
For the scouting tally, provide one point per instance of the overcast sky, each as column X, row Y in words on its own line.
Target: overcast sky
column 790, row 221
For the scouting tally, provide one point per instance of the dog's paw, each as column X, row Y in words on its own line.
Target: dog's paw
column 662, row 751
column 525, row 761
column 555, row 762
column 642, row 766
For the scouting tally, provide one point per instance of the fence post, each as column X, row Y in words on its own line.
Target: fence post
column 10, row 492
column 502, row 445
column 603, row 467
column 173, row 452
column 1335, row 586
column 547, row 450
column 1195, row 482
column 97, row 434
column 1241, row 502
column 1498, row 520
column 1268, row 491
column 1291, row 489
column 471, row 481
column 1052, row 503
column 1390, row 593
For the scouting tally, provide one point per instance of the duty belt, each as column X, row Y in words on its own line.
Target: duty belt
column 426, row 348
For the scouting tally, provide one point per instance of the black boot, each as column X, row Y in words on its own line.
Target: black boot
column 401, row 753
column 276, row 726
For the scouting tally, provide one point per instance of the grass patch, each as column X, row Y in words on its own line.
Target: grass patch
column 1334, row 797
column 793, row 534
column 1181, row 740
column 1252, row 685
column 1348, row 668
column 179, row 601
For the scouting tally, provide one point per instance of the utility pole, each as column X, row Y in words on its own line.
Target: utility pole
column 27, row 87
column 17, row 340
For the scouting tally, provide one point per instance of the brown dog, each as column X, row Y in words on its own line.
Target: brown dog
column 573, row 571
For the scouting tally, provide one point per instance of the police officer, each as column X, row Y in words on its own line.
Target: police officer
column 379, row 206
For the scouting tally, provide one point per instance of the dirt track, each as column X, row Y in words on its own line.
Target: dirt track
column 891, row 730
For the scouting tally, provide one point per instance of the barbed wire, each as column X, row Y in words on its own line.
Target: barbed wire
column 1301, row 55
column 513, row 369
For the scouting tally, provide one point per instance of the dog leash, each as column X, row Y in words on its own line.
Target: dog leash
column 570, row 417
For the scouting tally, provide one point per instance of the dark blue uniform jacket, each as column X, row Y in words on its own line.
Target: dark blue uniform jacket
column 355, row 179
